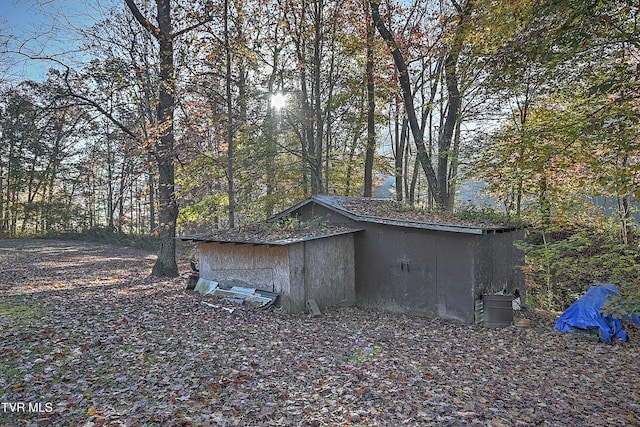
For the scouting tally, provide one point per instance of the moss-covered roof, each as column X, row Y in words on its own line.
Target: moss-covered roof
column 392, row 212
column 275, row 233
column 392, row 209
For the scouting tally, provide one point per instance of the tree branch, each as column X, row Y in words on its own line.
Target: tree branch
column 98, row 107
column 141, row 19
column 194, row 26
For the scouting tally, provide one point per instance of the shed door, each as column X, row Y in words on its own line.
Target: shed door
column 414, row 272
column 455, row 276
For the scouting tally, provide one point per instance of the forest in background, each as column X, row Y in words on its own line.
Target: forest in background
column 168, row 117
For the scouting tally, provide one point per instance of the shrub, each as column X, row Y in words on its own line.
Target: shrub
column 562, row 263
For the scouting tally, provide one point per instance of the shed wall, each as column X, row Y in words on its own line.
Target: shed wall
column 329, row 274
column 293, row 294
column 434, row 273
column 421, row 271
column 314, row 210
column 322, row 269
column 395, row 270
column 456, row 274
column 261, row 267
column 498, row 264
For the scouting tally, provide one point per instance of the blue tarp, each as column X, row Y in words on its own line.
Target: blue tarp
column 585, row 315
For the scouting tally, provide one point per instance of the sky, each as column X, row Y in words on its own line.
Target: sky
column 44, row 28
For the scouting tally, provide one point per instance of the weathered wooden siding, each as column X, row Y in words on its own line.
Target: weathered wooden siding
column 293, row 297
column 395, row 270
column 321, row 269
column 433, row 271
column 413, row 270
column 262, row 267
column 498, row 264
column 455, row 255
column 329, row 275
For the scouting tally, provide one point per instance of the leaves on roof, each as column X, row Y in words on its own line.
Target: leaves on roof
column 392, row 209
column 289, row 229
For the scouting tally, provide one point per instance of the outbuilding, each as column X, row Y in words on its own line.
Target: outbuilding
column 431, row 265
column 299, row 262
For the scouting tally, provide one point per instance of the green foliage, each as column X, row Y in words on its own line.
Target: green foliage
column 364, row 354
column 18, row 312
column 567, row 66
column 562, row 263
column 206, row 209
column 480, row 214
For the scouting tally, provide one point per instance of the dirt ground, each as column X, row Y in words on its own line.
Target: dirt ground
column 87, row 338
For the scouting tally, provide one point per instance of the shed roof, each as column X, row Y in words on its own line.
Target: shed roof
column 390, row 212
column 258, row 235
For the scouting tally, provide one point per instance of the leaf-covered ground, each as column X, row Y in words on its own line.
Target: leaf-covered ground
column 88, row 339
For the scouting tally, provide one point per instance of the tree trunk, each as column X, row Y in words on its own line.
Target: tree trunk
column 454, row 103
column 407, row 96
column 414, row 184
column 401, row 133
column 271, row 127
column 230, row 188
column 453, row 169
column 350, row 163
column 145, row 80
column 445, row 141
column 165, row 265
column 371, row 111
column 271, row 152
column 110, row 182
column 316, row 172
column 312, row 122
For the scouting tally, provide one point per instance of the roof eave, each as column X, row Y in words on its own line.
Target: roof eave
column 267, row 242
